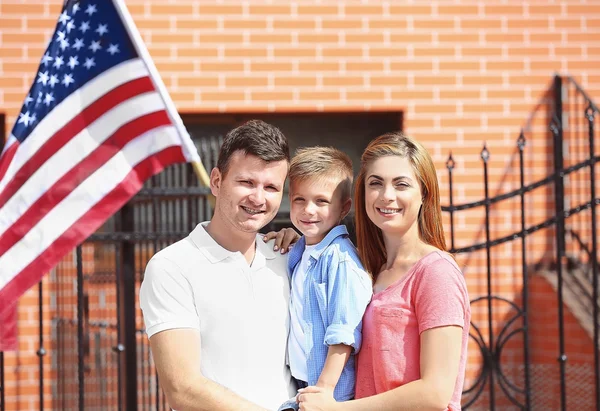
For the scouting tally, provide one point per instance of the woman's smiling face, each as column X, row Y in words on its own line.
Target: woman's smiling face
column 392, row 194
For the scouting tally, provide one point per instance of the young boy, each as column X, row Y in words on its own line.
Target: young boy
column 330, row 288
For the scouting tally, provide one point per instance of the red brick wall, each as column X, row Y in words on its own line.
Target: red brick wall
column 463, row 74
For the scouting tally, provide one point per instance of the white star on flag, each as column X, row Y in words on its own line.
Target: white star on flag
column 76, row 8
column 64, row 44
column 53, row 80
column 78, row 44
column 43, row 77
column 102, row 29
column 58, row 62
column 70, row 26
column 48, row 99
column 67, row 79
column 91, row 9
column 113, row 49
column 46, row 59
column 85, row 26
column 95, row 46
column 73, row 62
column 89, row 63
column 24, row 118
column 64, row 17
column 28, row 100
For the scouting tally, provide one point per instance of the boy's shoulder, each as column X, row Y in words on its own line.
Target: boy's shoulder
column 343, row 248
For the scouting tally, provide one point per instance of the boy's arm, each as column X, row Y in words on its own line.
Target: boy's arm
column 349, row 292
column 337, row 356
column 347, row 296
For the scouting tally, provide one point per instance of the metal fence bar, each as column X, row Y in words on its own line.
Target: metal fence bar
column 80, row 341
column 2, row 386
column 41, row 352
column 525, row 289
column 119, row 347
column 450, row 167
column 155, row 229
column 127, row 312
column 485, row 155
column 594, row 257
column 559, row 194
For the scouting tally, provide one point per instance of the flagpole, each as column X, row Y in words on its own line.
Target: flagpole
column 201, row 173
column 140, row 47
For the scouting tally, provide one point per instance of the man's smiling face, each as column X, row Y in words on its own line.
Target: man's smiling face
column 250, row 192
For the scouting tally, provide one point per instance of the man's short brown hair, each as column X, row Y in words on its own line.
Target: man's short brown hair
column 257, row 138
column 323, row 162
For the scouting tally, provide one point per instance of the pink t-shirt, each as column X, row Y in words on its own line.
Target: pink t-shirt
column 432, row 294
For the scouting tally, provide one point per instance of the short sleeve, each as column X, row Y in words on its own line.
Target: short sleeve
column 440, row 296
column 166, row 298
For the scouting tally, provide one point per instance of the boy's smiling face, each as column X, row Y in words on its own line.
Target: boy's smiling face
column 316, row 206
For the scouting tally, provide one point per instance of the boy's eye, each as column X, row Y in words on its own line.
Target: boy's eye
column 298, row 199
column 321, row 201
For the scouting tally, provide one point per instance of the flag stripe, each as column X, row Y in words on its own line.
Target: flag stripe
column 88, row 223
column 87, row 166
column 88, row 193
column 73, row 104
column 72, row 128
column 7, row 157
column 83, row 144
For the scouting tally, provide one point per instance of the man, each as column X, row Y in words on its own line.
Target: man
column 215, row 304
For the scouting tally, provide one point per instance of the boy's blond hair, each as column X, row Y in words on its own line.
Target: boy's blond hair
column 323, row 162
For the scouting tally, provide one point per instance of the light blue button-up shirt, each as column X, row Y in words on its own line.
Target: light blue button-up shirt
column 336, row 293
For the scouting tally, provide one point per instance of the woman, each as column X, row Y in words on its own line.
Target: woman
column 416, row 327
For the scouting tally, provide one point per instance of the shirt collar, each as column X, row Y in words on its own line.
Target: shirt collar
column 297, row 251
column 215, row 253
column 207, row 245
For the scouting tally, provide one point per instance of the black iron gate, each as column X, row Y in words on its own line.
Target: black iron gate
column 99, row 359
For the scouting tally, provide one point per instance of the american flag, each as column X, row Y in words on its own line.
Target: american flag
column 97, row 122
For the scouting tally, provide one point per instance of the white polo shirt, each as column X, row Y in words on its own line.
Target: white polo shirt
column 241, row 312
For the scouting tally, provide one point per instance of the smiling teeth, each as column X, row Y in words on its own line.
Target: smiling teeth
column 388, row 210
column 251, row 211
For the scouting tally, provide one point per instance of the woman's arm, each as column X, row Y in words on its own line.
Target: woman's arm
column 440, row 358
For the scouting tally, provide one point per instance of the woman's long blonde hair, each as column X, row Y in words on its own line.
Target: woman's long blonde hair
column 369, row 237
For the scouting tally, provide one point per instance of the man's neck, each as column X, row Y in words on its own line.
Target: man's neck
column 231, row 239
